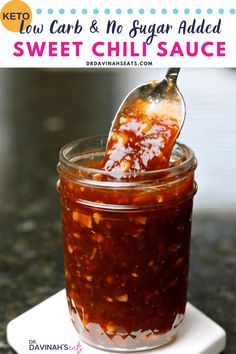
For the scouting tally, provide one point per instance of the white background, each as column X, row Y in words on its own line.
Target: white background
column 228, row 30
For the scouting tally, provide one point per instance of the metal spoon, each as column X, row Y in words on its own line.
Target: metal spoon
column 154, row 99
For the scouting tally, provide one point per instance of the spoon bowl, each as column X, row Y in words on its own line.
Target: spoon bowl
column 146, row 126
column 156, row 97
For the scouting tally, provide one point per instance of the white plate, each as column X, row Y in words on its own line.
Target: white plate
column 49, row 324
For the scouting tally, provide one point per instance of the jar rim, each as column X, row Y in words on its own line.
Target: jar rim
column 188, row 164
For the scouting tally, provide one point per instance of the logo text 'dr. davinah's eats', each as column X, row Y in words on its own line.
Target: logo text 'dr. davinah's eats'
column 16, row 15
column 35, row 346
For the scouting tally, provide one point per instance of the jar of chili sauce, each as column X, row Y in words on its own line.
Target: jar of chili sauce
column 126, row 246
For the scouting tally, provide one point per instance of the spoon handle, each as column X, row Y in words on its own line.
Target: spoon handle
column 172, row 74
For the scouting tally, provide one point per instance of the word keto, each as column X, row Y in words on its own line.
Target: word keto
column 15, row 14
column 12, row 16
column 121, row 49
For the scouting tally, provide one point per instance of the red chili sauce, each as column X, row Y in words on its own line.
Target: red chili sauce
column 126, row 270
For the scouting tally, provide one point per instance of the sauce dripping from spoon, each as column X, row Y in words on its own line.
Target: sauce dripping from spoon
column 146, row 127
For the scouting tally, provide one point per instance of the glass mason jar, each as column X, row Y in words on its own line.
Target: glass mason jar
column 126, row 247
